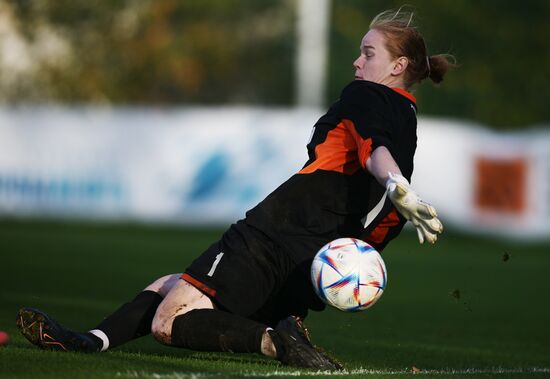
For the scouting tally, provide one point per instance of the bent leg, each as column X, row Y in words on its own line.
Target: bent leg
column 182, row 298
column 133, row 319
column 188, row 318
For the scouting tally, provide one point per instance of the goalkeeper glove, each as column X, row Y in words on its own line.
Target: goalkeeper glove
column 422, row 215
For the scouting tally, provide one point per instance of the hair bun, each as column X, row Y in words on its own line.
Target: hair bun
column 438, row 65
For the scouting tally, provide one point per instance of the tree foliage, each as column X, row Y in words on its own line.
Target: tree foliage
column 161, row 52
column 170, row 52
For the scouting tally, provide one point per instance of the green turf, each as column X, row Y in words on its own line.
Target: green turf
column 467, row 307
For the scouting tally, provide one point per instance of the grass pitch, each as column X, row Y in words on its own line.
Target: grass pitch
column 467, row 307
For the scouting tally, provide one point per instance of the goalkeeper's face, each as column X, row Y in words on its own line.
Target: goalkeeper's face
column 375, row 62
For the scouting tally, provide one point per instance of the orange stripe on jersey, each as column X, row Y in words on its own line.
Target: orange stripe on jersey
column 381, row 231
column 364, row 146
column 339, row 152
column 199, row 285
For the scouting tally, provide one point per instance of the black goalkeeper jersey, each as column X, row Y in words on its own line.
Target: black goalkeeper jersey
column 334, row 196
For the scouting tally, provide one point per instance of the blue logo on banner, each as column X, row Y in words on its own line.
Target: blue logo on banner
column 215, row 182
column 209, row 177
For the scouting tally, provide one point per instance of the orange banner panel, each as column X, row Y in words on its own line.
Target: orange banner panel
column 501, row 185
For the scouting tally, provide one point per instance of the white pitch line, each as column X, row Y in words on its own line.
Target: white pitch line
column 360, row 371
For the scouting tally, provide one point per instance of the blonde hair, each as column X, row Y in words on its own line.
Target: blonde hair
column 404, row 40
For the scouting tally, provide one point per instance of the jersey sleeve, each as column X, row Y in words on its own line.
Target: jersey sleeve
column 367, row 116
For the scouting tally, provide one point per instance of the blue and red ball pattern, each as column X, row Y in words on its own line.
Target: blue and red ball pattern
column 349, row 274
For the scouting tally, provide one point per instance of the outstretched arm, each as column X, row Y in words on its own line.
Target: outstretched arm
column 423, row 216
column 381, row 163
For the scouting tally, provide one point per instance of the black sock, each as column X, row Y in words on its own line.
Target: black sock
column 214, row 330
column 131, row 320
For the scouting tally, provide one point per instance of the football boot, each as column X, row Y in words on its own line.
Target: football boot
column 46, row 333
column 296, row 328
column 293, row 351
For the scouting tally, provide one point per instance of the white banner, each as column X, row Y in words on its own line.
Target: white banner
column 209, row 165
column 193, row 165
column 485, row 181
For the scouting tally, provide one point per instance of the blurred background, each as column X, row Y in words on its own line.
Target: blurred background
column 192, row 111
column 132, row 133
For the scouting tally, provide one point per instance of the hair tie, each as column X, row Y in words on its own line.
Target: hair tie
column 428, row 63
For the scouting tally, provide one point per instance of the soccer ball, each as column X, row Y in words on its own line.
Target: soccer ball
column 348, row 274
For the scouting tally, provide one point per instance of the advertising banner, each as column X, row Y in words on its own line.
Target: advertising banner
column 206, row 165
column 187, row 165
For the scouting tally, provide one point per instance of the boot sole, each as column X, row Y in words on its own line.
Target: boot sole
column 34, row 326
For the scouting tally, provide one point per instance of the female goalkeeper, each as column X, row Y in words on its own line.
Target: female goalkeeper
column 249, row 291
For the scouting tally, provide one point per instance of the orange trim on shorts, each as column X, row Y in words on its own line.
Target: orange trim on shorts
column 199, row 285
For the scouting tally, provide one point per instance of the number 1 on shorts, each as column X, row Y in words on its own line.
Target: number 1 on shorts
column 215, row 264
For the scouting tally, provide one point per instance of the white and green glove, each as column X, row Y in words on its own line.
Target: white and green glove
column 422, row 215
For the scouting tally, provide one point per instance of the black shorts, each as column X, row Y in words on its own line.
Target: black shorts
column 248, row 274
